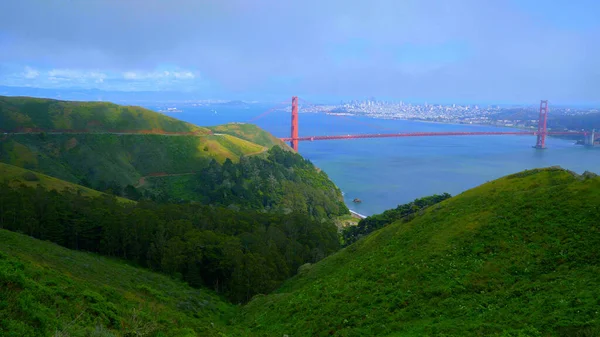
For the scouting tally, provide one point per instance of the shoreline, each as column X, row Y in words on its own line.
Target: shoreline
column 356, row 214
column 460, row 124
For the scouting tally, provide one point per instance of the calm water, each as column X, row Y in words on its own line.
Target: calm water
column 390, row 171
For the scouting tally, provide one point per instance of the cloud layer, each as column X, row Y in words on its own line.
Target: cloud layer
column 414, row 49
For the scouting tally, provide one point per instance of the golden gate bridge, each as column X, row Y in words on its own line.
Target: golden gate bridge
column 540, row 133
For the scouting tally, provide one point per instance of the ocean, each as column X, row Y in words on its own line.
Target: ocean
column 386, row 172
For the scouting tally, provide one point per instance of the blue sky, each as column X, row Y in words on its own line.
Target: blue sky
column 433, row 50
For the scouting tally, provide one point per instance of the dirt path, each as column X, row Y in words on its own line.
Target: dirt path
column 257, row 152
column 107, row 132
column 142, row 181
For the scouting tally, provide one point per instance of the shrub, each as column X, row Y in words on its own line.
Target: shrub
column 30, row 176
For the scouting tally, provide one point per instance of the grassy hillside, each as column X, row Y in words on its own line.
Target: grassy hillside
column 121, row 158
column 21, row 113
column 514, row 257
column 20, row 176
column 47, row 290
column 249, row 132
column 98, row 151
column 17, row 176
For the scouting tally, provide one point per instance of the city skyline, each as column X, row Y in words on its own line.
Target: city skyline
column 182, row 97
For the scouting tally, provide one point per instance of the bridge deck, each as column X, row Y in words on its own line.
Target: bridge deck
column 431, row 134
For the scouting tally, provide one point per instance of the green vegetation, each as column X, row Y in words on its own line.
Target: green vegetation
column 514, row 257
column 120, row 158
column 237, row 253
column 111, row 163
column 47, row 290
column 238, row 213
column 404, row 213
column 17, row 176
column 240, row 166
column 22, row 113
column 346, row 220
column 249, row 132
column 282, row 182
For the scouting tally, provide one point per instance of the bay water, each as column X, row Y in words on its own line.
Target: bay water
column 385, row 172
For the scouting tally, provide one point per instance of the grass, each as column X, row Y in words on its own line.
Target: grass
column 96, row 156
column 121, row 158
column 47, row 290
column 346, row 220
column 514, row 257
column 18, row 113
column 20, row 176
column 249, row 132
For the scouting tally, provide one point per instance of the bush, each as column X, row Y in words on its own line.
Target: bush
column 30, row 176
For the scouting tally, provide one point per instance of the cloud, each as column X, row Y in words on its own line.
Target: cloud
column 172, row 79
column 467, row 49
column 73, row 75
column 179, row 75
column 30, row 73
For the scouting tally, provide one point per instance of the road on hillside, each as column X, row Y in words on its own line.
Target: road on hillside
column 111, row 133
column 142, row 180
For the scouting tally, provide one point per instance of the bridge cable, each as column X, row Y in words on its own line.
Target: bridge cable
column 277, row 107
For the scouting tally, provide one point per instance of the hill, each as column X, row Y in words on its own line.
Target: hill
column 19, row 176
column 141, row 154
column 249, row 132
column 517, row 256
column 237, row 253
column 27, row 113
column 47, row 290
column 120, row 158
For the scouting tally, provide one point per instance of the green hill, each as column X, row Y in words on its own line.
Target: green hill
column 47, row 290
column 249, row 132
column 122, row 149
column 19, row 176
column 22, row 113
column 514, row 257
column 121, row 158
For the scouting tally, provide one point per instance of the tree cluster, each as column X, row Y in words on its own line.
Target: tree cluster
column 402, row 212
column 237, row 253
column 283, row 182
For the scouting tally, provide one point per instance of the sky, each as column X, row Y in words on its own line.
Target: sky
column 432, row 50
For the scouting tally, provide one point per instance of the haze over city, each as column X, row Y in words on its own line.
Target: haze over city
column 433, row 51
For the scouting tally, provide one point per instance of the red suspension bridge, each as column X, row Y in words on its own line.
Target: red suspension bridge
column 540, row 133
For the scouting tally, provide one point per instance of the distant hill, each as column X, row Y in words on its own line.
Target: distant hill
column 48, row 290
column 22, row 113
column 102, row 95
column 517, row 256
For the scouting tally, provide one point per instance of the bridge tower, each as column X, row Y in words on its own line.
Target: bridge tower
column 542, row 130
column 590, row 138
column 294, row 134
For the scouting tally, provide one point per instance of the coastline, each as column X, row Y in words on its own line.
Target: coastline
column 357, row 215
column 461, row 124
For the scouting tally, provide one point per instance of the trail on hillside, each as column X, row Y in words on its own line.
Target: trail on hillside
column 125, row 132
column 142, row 180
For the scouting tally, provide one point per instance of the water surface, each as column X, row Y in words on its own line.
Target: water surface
column 385, row 172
